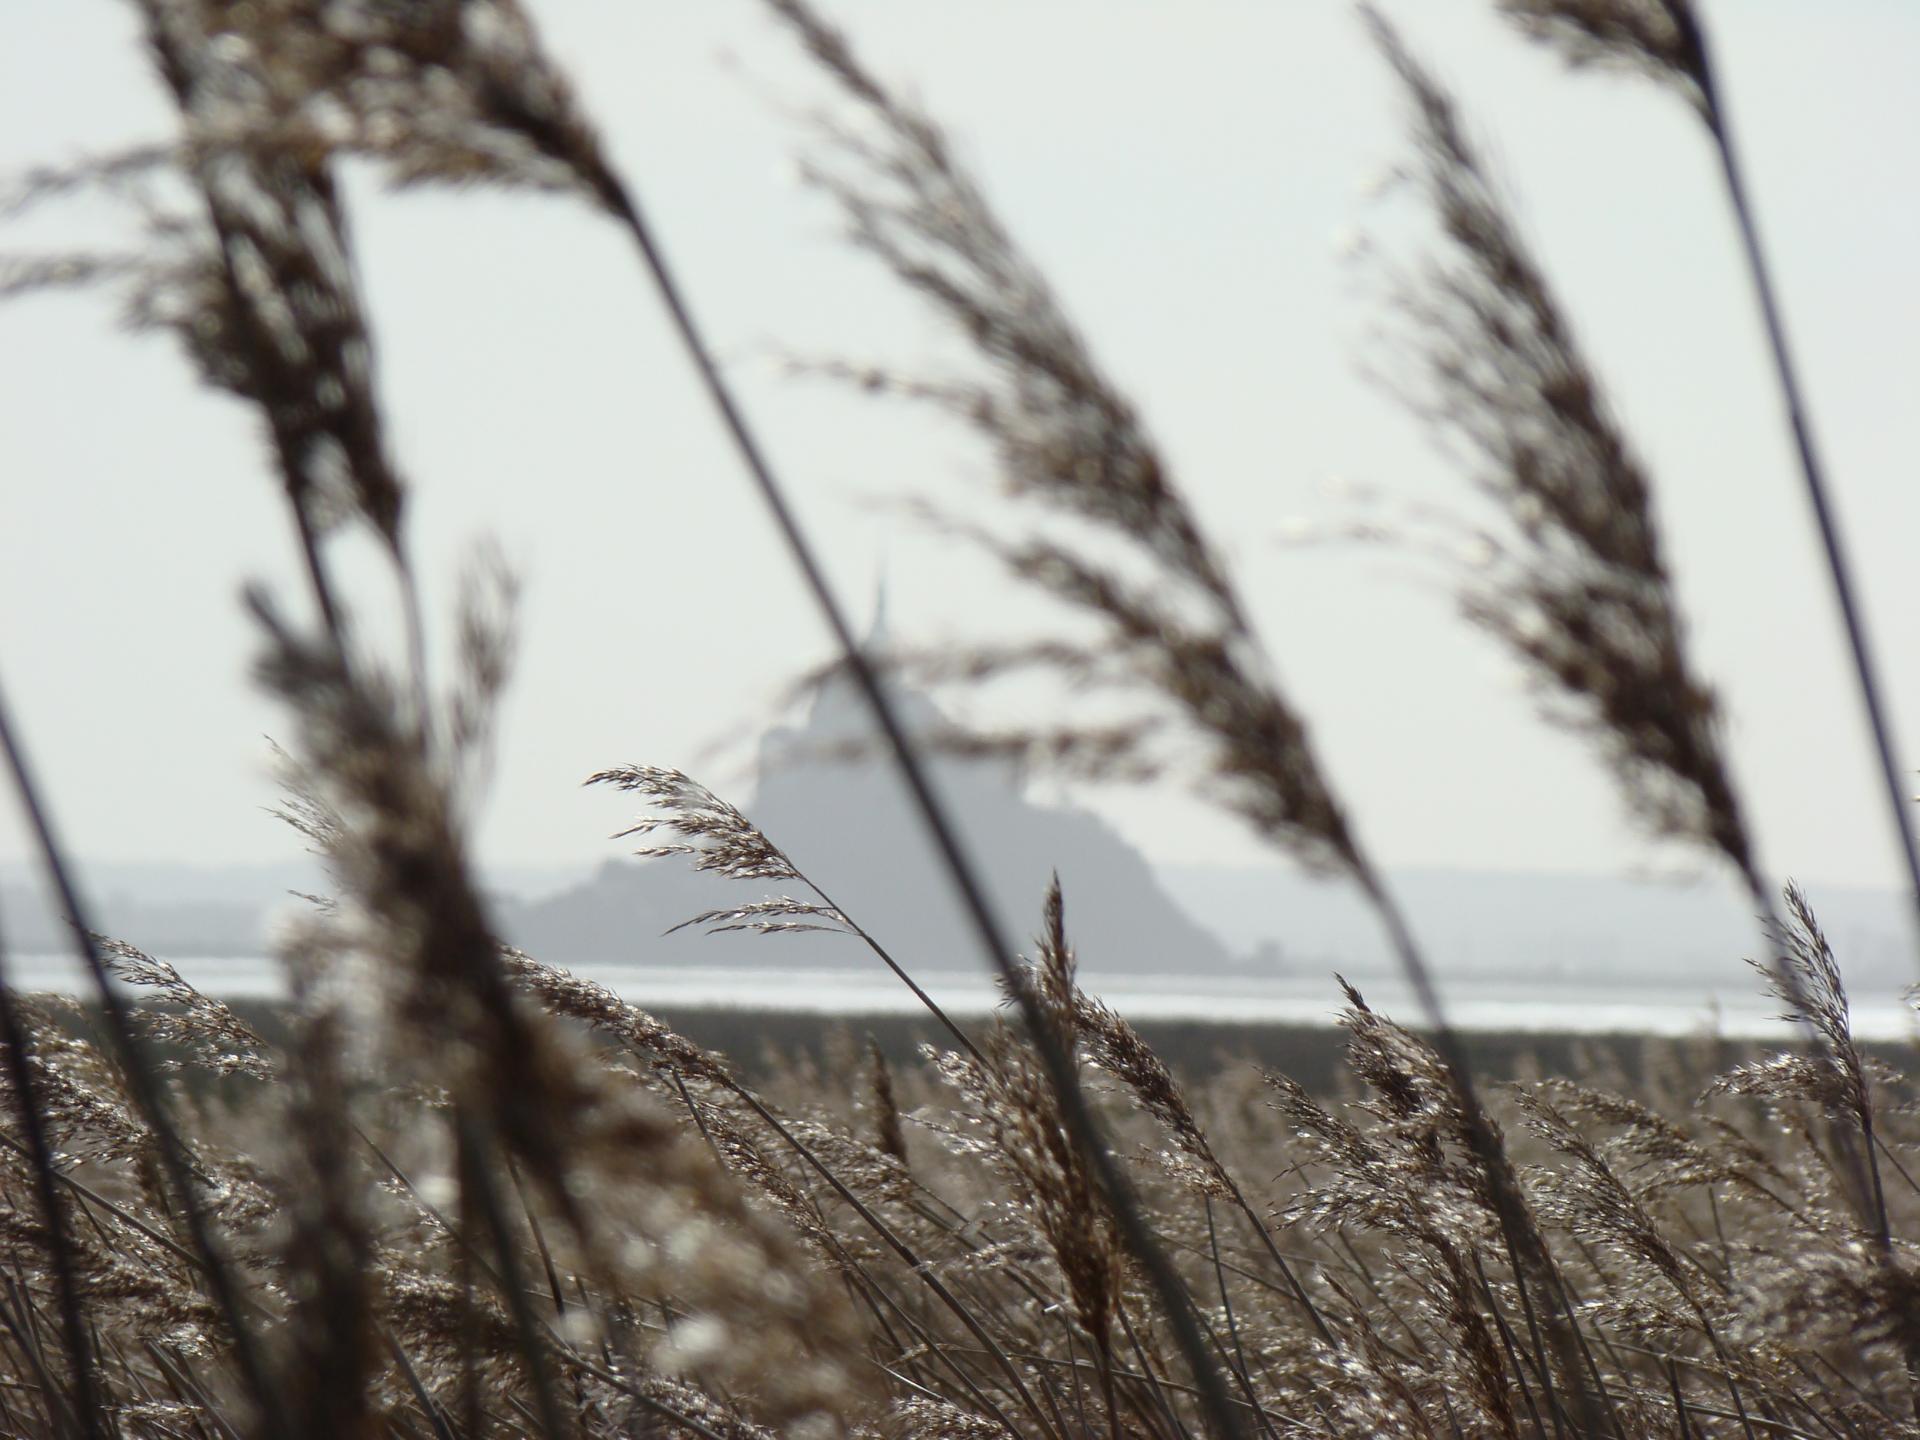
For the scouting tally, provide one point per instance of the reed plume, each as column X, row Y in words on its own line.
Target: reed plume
column 1667, row 40
column 1581, row 594
column 450, row 1190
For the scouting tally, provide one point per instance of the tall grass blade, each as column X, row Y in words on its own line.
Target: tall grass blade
column 144, row 1082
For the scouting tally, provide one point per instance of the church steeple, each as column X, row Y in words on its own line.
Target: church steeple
column 838, row 712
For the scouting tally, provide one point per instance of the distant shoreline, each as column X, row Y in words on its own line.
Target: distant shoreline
column 815, row 996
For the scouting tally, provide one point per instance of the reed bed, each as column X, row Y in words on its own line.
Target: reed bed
column 461, row 1192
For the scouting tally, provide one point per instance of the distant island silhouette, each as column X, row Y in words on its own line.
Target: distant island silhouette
column 836, row 806
column 828, row 798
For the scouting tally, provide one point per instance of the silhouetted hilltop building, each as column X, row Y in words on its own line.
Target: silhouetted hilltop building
column 831, row 799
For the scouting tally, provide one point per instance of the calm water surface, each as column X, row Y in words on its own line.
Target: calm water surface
column 1477, row 1004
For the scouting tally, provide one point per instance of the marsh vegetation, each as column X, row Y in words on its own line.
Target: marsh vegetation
column 461, row 1192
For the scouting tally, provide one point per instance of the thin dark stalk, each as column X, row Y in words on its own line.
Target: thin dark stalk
column 699, row 1121
column 1567, row 1299
column 476, row 1182
column 1233, row 1326
column 868, row 1288
column 1812, row 470
column 1865, row 1396
column 1254, row 1277
column 73, row 1323
column 141, row 1389
column 1679, row 1402
column 1294, row 1287
column 1414, row 1338
column 952, row 1027
column 1520, row 1236
column 144, row 1086
column 1894, row 1160
column 1575, row 1298
column 1073, row 1362
column 21, row 1327
column 126, row 1217
column 539, row 1240
column 472, row 1418
column 900, row 1248
column 1152, row 1382
column 1726, row 1367
column 1059, row 1066
column 1107, row 1376
column 944, row 1354
column 1715, row 1412
column 1107, row 1397
column 175, row 1368
column 1225, row 1306
column 872, row 1293
column 1514, row 1359
column 1079, row 1385
column 316, row 571
column 7, row 1413
column 926, row 1392
column 429, row 1407
column 1059, row 1415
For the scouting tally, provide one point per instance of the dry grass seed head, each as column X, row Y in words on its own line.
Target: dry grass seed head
column 1110, row 1043
column 451, row 1017
column 449, row 91
column 564, row 994
column 1087, row 1027
column 771, row 1325
column 1805, row 978
column 1066, row 437
column 1423, row 1131
column 1375, row 1390
column 1582, row 594
column 278, row 319
column 486, row 641
column 208, row 1030
column 1011, row 1122
column 927, row 1417
column 1372, row 1184
column 888, row 1137
column 721, row 840
column 713, row 833
column 83, row 1097
column 1657, row 1154
column 1590, row 1199
column 1856, row 1303
column 1656, row 38
column 775, row 1322
column 326, row 1260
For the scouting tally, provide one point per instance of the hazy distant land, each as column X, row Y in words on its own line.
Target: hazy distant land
column 1263, row 923
column 846, row 823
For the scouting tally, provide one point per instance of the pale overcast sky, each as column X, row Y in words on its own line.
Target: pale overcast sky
column 1190, row 173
